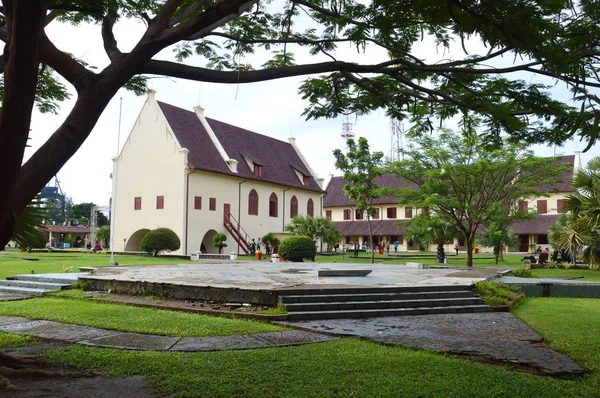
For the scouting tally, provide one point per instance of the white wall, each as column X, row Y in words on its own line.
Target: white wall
column 150, row 165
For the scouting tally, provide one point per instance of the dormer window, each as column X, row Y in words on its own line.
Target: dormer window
column 306, row 181
column 257, row 170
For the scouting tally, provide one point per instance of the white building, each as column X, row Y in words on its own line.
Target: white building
column 198, row 176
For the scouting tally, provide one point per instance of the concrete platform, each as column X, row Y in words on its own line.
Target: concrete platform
column 259, row 282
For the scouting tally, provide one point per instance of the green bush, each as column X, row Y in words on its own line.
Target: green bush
column 219, row 241
column 496, row 293
column 160, row 239
column 297, row 248
column 520, row 273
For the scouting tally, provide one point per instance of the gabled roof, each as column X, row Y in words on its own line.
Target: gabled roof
column 67, row 229
column 378, row 227
column 277, row 158
column 540, row 225
column 336, row 196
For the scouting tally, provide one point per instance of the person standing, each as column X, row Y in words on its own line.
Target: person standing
column 356, row 249
column 395, row 246
column 456, row 247
column 387, row 247
column 253, row 248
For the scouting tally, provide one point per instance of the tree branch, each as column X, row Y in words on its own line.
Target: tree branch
column 187, row 12
column 63, row 64
column 108, row 37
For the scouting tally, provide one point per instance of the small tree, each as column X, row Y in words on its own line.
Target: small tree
column 498, row 236
column 160, row 239
column 219, row 241
column 103, row 233
column 360, row 167
column 319, row 227
column 272, row 240
column 435, row 230
column 297, row 248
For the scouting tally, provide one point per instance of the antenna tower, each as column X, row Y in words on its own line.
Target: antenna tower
column 347, row 132
column 396, row 139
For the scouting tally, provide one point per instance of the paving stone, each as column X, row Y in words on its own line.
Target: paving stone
column 494, row 335
column 216, row 343
column 134, row 341
column 73, row 333
column 293, row 337
column 25, row 326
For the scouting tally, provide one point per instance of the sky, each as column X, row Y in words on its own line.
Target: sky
column 272, row 108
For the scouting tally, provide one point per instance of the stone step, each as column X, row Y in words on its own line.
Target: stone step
column 66, row 278
column 34, row 284
column 374, row 305
column 370, row 290
column 325, row 298
column 312, row 315
column 23, row 290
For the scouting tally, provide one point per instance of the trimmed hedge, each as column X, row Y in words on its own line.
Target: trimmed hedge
column 160, row 239
column 297, row 248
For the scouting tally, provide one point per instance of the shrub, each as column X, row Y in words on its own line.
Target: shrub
column 219, row 241
column 297, row 248
column 160, row 239
column 496, row 293
column 521, row 273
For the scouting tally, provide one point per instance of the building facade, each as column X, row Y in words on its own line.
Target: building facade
column 198, row 177
column 353, row 227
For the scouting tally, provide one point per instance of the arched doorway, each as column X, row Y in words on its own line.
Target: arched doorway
column 207, row 242
column 134, row 241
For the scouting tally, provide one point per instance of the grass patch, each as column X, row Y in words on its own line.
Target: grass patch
column 279, row 310
column 340, row 368
column 15, row 262
column 520, row 273
column 585, row 274
column 131, row 319
column 496, row 293
column 15, row 340
column 571, row 325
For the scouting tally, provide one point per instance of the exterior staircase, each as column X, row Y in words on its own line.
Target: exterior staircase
column 237, row 232
column 34, row 285
column 335, row 303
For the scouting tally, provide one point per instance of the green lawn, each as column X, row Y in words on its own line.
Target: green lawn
column 15, row 262
column 349, row 367
column 130, row 319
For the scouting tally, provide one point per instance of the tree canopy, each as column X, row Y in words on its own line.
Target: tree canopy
column 460, row 178
column 494, row 84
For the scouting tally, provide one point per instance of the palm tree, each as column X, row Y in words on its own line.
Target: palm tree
column 430, row 229
column 319, row 227
column 582, row 231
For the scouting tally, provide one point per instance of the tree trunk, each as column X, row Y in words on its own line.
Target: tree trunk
column 440, row 255
column 24, row 23
column 371, row 239
column 469, row 244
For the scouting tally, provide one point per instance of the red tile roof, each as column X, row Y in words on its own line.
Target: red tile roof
column 540, row 225
column 336, row 197
column 66, row 229
column 278, row 158
column 378, row 227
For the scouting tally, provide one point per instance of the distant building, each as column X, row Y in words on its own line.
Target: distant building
column 353, row 226
column 198, row 176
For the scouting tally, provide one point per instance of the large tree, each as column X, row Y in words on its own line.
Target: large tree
column 314, row 227
column 558, row 39
column 430, row 229
column 469, row 183
column 360, row 167
column 82, row 211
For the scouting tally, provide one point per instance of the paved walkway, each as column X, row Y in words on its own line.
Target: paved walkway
column 493, row 336
column 135, row 341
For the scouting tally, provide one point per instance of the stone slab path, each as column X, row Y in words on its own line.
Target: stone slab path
column 495, row 336
column 135, row 341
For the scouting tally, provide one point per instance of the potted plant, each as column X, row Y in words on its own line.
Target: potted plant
column 258, row 254
column 476, row 250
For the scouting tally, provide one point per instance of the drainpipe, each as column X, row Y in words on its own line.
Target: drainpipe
column 283, row 210
column 240, row 207
column 187, row 210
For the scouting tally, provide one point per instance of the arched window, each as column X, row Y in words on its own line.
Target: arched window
column 310, row 208
column 273, row 205
column 293, row 207
column 253, row 203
